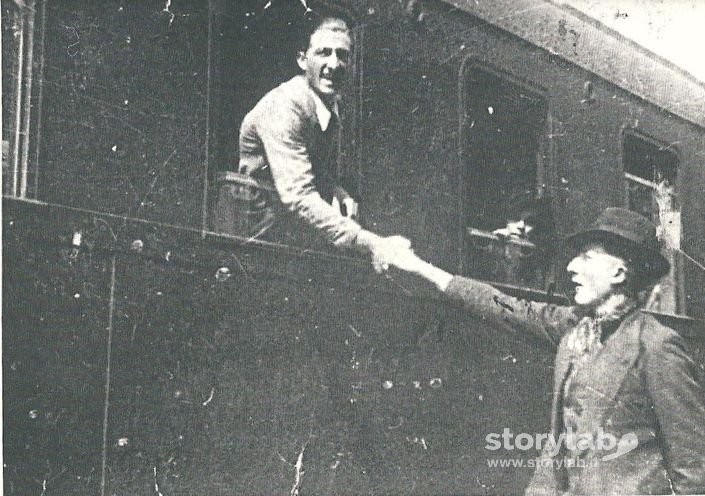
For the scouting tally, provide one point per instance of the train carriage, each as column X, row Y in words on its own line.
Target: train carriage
column 149, row 349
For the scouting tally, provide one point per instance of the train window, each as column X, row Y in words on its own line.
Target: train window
column 650, row 176
column 508, row 217
column 17, row 42
column 243, row 204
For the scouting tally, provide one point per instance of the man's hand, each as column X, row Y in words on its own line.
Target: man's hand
column 407, row 260
column 385, row 250
column 345, row 204
column 396, row 250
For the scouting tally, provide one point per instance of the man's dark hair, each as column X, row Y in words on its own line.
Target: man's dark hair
column 318, row 14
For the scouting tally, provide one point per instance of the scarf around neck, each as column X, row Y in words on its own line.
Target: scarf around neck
column 595, row 327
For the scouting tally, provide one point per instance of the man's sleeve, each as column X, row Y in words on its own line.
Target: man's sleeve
column 282, row 135
column 676, row 389
column 546, row 321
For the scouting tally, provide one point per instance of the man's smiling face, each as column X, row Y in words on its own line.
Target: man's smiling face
column 325, row 61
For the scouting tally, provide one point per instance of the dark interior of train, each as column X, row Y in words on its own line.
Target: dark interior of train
column 264, row 42
column 653, row 162
column 504, row 168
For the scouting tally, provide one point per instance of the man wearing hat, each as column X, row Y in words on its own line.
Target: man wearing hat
column 628, row 412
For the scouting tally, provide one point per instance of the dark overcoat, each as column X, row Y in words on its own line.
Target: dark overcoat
column 641, row 387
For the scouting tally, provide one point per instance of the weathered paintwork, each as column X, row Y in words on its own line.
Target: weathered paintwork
column 213, row 380
column 574, row 36
column 413, row 166
column 219, row 379
column 125, row 108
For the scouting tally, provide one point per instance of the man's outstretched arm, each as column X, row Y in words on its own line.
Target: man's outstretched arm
column 293, row 177
column 547, row 321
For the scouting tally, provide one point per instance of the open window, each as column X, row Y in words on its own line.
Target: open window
column 650, row 177
column 254, row 51
column 509, row 228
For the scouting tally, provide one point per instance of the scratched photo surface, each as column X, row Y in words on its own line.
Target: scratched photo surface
column 150, row 348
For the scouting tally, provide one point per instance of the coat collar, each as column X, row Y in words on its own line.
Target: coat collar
column 323, row 113
column 595, row 328
column 313, row 102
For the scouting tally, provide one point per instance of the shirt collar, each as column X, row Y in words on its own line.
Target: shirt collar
column 323, row 113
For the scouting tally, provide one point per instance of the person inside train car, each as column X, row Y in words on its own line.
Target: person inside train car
column 620, row 373
column 531, row 221
column 289, row 141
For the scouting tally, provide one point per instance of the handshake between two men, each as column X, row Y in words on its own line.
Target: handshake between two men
column 384, row 251
column 396, row 251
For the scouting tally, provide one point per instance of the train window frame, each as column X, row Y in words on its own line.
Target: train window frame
column 669, row 296
column 544, row 173
column 223, row 161
column 20, row 150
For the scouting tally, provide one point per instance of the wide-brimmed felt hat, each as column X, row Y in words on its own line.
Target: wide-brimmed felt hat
column 630, row 233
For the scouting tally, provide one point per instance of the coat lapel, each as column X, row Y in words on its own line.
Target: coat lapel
column 564, row 360
column 601, row 378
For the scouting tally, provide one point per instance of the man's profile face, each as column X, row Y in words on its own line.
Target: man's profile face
column 325, row 61
column 595, row 273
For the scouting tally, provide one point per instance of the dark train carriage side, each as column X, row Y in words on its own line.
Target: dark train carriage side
column 146, row 351
column 474, row 109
